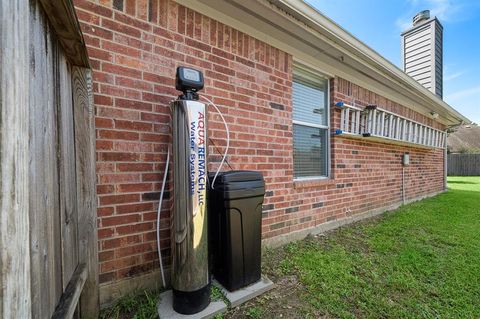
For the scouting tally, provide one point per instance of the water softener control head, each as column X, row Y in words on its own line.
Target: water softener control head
column 189, row 81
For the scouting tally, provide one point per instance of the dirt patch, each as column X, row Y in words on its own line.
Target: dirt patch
column 284, row 301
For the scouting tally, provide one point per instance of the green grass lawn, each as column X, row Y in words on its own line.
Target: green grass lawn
column 420, row 261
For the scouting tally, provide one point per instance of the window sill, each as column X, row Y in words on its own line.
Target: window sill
column 313, row 182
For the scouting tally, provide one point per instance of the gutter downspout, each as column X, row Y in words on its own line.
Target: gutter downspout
column 445, row 162
column 403, row 184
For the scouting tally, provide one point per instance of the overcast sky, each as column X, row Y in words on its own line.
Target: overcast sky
column 378, row 23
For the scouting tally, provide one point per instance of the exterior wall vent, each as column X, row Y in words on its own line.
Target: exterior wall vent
column 422, row 52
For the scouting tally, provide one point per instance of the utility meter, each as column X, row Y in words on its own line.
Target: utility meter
column 406, row 159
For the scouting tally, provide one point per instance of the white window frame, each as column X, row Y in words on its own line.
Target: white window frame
column 325, row 127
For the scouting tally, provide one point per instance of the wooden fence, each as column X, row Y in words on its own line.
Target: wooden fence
column 463, row 164
column 48, row 237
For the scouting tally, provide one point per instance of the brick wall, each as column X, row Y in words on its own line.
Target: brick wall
column 135, row 47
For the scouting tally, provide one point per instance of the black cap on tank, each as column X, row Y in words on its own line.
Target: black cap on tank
column 189, row 81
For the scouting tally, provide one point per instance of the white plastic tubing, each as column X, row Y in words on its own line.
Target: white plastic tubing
column 165, row 179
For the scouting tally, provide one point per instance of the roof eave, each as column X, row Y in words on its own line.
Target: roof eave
column 313, row 39
column 310, row 15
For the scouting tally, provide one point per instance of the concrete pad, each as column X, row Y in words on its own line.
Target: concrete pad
column 165, row 308
column 240, row 296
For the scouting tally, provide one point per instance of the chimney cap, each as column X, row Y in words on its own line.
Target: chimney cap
column 421, row 16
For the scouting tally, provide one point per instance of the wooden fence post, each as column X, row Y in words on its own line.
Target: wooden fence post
column 14, row 102
column 86, row 192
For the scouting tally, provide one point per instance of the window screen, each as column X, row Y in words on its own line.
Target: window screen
column 310, row 125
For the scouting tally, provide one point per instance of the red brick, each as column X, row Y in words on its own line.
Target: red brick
column 121, row 49
column 105, row 211
column 119, row 263
column 119, row 242
column 134, row 167
column 151, row 177
column 118, row 69
column 117, row 199
column 106, row 255
column 102, row 100
column 118, row 135
column 156, row 138
column 127, row 146
column 154, row 117
column 132, row 188
column 107, row 277
column 199, row 45
column 132, row 229
column 137, row 64
column 133, row 208
column 105, row 233
column 121, row 28
column 105, row 189
column 181, row 19
column 130, row 7
column 132, row 21
column 133, row 83
column 96, row 31
column 150, row 157
column 90, row 6
column 91, row 41
column 131, row 42
column 142, row 9
column 133, row 250
column 88, row 17
column 169, row 53
column 172, row 8
column 100, row 54
column 118, row 156
column 120, row 220
column 103, row 123
column 150, row 236
column 133, row 104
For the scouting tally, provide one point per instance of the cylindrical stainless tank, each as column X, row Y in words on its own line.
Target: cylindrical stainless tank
column 190, row 277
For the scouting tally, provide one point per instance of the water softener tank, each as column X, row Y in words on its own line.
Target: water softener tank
column 190, row 276
column 235, row 207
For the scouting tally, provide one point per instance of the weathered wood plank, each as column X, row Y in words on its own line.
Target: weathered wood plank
column 68, row 302
column 86, row 194
column 14, row 118
column 463, row 164
column 67, row 178
column 44, row 201
column 61, row 14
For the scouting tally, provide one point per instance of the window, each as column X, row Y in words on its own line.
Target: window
column 311, row 133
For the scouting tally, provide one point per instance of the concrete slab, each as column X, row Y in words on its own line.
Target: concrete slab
column 165, row 309
column 240, row 296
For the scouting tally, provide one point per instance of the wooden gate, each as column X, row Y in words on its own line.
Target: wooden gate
column 48, row 224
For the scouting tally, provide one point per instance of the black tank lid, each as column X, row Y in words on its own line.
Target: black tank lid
column 238, row 184
column 237, row 176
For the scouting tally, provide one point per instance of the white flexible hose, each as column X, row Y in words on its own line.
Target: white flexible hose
column 165, row 179
column 158, row 217
column 228, row 140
